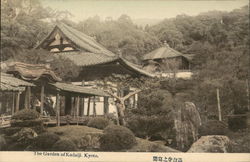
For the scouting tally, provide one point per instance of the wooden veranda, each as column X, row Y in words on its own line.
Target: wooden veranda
column 11, row 89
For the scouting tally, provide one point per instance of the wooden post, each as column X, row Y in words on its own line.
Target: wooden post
column 88, row 106
column 83, row 106
column 58, row 109
column 17, row 101
column 218, row 101
column 77, row 109
column 72, row 106
column 42, row 99
column 106, row 106
column 94, row 107
column 13, row 103
column 27, row 98
column 67, row 104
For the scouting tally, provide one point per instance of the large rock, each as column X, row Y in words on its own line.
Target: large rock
column 89, row 141
column 213, row 143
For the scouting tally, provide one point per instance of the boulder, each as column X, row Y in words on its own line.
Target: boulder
column 25, row 135
column 213, row 143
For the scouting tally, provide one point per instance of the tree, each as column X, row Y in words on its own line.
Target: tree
column 115, row 85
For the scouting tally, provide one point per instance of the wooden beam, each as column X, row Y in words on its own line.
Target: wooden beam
column 42, row 99
column 88, row 106
column 17, row 101
column 77, row 109
column 58, row 109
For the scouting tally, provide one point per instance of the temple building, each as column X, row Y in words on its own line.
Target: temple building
column 95, row 61
column 165, row 60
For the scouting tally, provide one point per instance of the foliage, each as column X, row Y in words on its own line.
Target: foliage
column 117, row 138
column 25, row 136
column 148, row 126
column 64, row 145
column 26, row 123
column 45, row 141
column 112, row 118
column 120, row 34
column 240, row 141
column 2, row 143
column 237, row 122
column 98, row 122
column 213, row 127
column 10, row 130
column 153, row 114
column 26, row 114
column 21, row 26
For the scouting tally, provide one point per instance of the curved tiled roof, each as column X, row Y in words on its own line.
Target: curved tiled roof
column 162, row 52
column 10, row 83
column 79, row 89
column 136, row 68
column 32, row 71
column 82, row 59
column 83, row 41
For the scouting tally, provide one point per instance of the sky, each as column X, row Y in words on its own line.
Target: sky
column 141, row 9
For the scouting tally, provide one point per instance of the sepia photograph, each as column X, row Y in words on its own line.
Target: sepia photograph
column 162, row 77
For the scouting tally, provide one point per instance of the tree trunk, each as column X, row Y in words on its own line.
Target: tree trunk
column 121, row 115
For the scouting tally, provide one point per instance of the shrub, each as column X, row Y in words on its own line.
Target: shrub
column 26, row 114
column 213, row 127
column 64, row 145
column 10, row 130
column 112, row 117
column 236, row 122
column 2, row 143
column 26, row 123
column 117, row 138
column 147, row 126
column 98, row 122
column 45, row 141
column 85, row 120
column 22, row 139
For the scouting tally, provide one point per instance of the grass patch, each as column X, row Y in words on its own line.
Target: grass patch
column 73, row 131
